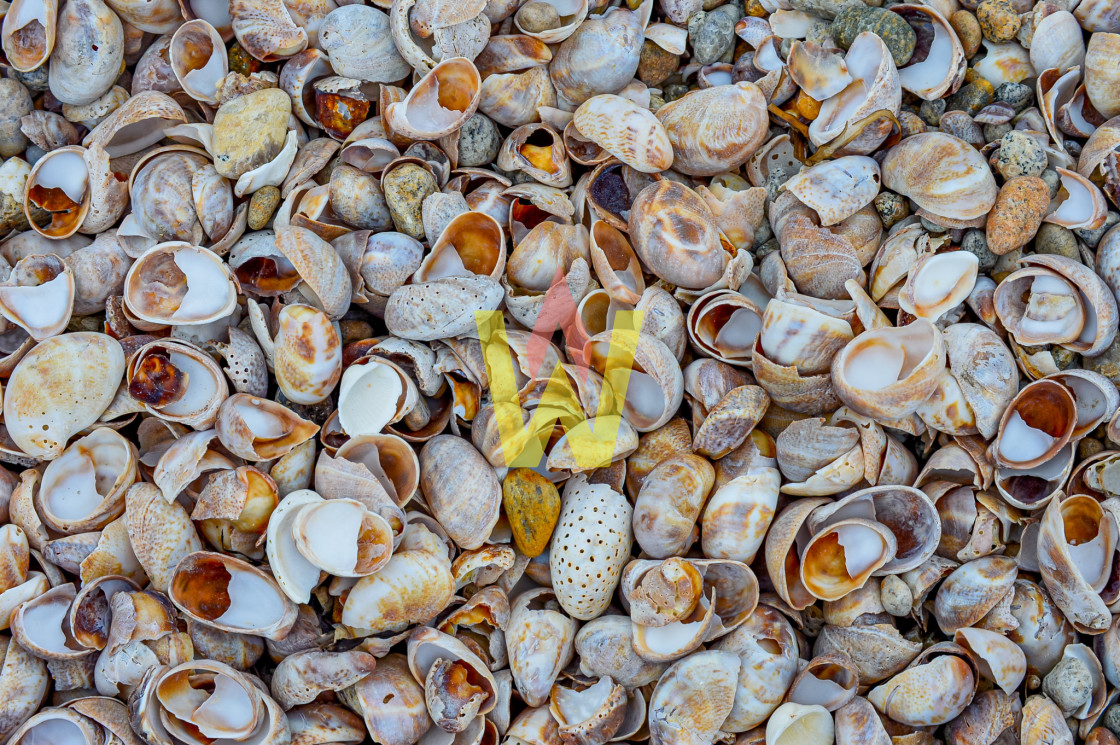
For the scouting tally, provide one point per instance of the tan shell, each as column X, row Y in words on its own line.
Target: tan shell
column 1102, row 84
column 265, row 29
column 177, row 283
column 28, row 33
column 88, row 52
column 439, row 104
column 675, row 235
column 946, row 176
column 468, row 516
column 629, row 133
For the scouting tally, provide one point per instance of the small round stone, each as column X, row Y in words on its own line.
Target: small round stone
column 998, row 21
column 405, row 188
column 1111, row 719
column 971, row 98
column 262, row 205
column 1069, row 684
column 891, row 208
column 1092, row 237
column 1020, row 155
column 968, row 31
column 1088, row 447
column 35, row 80
column 354, row 330
column 711, row 35
column 931, row 111
column 655, row 64
column 895, row 32
column 911, row 124
column 976, row 243
column 1054, row 239
column 896, row 596
column 536, row 16
column 1063, row 358
column 1016, row 95
column 994, row 132
column 674, row 91
column 766, row 249
column 1021, row 204
column 479, row 141
column 1052, row 179
column 532, row 504
column 960, row 125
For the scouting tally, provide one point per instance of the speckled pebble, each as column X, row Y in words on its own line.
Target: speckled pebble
column 1088, row 447
column 975, row 242
column 1021, row 204
column 971, row 98
column 1052, row 179
column 993, row 132
column 1092, row 237
column 1107, row 363
column 896, row 596
column 891, row 208
column 911, row 124
column 1020, row 155
column 828, row 9
column 711, row 34
column 931, row 111
column 1111, row 718
column 262, row 205
column 998, row 21
column 1054, row 239
column 405, row 188
column 895, row 32
column 479, row 141
column 774, row 180
column 1019, row 96
column 1069, row 684
column 674, row 91
column 968, row 31
column 250, row 131
column 819, row 32
column 35, row 80
column 1005, row 264
column 655, row 64
column 766, row 249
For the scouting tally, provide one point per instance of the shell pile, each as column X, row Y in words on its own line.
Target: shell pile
column 559, row 372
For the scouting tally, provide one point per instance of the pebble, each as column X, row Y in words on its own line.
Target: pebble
column 1088, row 447
column 911, row 124
column 1020, row 155
column 1017, row 95
column 655, row 64
column 896, row 596
column 479, row 141
column 34, row 80
column 1107, row 363
column 241, row 61
column 1005, row 264
column 1052, row 179
column 250, row 131
column 1054, row 239
column 931, row 227
column 353, row 330
column 674, row 91
column 262, row 205
column 535, row 17
column 1111, row 719
column 827, row 9
column 1021, row 204
column 994, row 132
column 711, row 35
column 891, row 208
column 895, row 32
column 405, row 188
column 1092, row 237
column 532, row 504
column 15, row 102
column 1069, row 684
column 975, row 242
column 931, row 111
column 971, row 98
column 968, row 31
column 998, row 21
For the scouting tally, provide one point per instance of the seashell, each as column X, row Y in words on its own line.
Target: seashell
column 88, row 52
column 59, row 388
column 440, row 308
column 600, row 55
column 513, row 98
column 403, row 719
column 29, row 32
column 443, row 460
column 471, row 244
column 75, row 188
column 933, row 690
column 1101, row 83
column 791, row 722
column 941, row 69
column 875, row 86
column 999, row 660
column 307, row 354
column 439, row 104
column 669, row 504
column 937, row 283
column 360, row 45
column 1080, row 204
column 705, row 144
column 539, row 151
column 160, row 533
column 1071, row 574
column 177, row 382
column 972, row 590
column 198, row 64
column 953, row 183
column 539, row 639
column 38, row 295
column 837, row 189
column 631, row 134
column 767, row 651
column 258, row 429
column 265, row 29
column 831, row 565
column 231, row 595
column 705, row 683
column 609, row 544
column 887, row 373
column 83, row 489
column 1064, row 47
column 654, row 385
column 158, row 286
column 675, row 235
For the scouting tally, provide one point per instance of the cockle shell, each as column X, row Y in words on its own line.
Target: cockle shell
column 943, row 174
